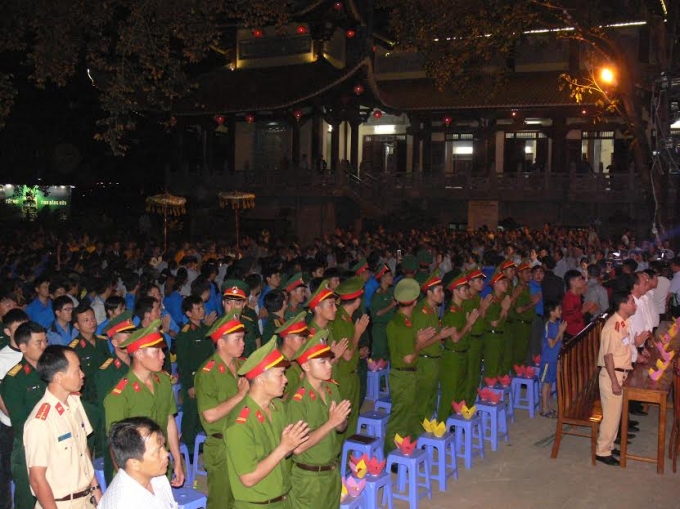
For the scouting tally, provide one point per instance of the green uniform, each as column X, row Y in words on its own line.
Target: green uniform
column 251, row 436
column 521, row 331
column 425, row 316
column 105, row 379
column 453, row 366
column 316, row 490
column 404, row 419
column 381, row 300
column 476, row 350
column 345, row 372
column 294, row 377
column 22, row 388
column 272, row 323
column 249, row 319
column 494, row 340
column 91, row 357
column 193, row 348
column 291, row 312
column 422, row 275
column 215, row 384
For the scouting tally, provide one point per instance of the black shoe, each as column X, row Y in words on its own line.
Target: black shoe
column 633, row 429
column 608, row 460
column 616, row 452
column 632, row 423
column 639, row 411
column 618, row 439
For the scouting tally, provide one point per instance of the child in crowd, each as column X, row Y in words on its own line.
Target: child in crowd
column 552, row 342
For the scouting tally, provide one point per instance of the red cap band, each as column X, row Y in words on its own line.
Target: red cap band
column 152, row 339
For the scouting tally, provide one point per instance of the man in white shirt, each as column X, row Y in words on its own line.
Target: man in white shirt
column 138, row 448
column 674, row 292
column 640, row 322
column 658, row 294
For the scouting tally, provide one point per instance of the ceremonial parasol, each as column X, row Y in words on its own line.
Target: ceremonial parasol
column 166, row 204
column 236, row 200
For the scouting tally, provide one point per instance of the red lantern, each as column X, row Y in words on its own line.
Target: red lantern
column 377, row 114
column 301, row 30
column 297, row 114
column 219, row 119
column 447, row 120
column 250, row 118
column 358, row 89
column 257, row 33
column 350, row 33
column 338, row 6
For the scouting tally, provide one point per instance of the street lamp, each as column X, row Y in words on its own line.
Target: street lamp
column 607, row 76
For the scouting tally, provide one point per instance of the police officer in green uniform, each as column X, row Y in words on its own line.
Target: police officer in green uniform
column 426, row 315
column 315, row 473
column 275, row 304
column 146, row 390
column 111, row 371
column 259, row 437
column 218, row 390
column 404, row 342
column 522, row 312
column 453, row 365
column 409, row 266
column 509, row 269
column 382, row 310
column 296, row 288
column 289, row 339
column 495, row 338
column 476, row 350
column 92, row 350
column 22, row 388
column 193, row 348
column 234, row 296
column 351, row 292
column 323, row 307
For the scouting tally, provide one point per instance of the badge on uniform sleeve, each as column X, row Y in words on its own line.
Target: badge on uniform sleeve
column 208, row 367
column 27, row 368
column 121, row 385
column 243, row 415
column 299, row 394
column 43, row 411
column 408, row 323
column 260, row 416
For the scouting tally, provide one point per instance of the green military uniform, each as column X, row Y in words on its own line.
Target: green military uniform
column 401, row 341
column 295, row 281
column 521, row 330
column 494, row 341
column 193, row 348
column 453, row 366
column 380, row 301
column 249, row 319
column 22, row 388
column 297, row 326
column 272, row 323
column 476, row 349
column 215, row 384
column 345, row 372
column 291, row 312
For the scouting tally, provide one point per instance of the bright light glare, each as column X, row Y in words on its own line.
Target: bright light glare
column 607, row 76
column 385, row 129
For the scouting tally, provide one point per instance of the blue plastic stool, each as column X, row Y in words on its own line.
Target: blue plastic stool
column 506, row 397
column 375, row 422
column 409, row 469
column 360, row 444
column 372, row 491
column 466, row 430
column 383, row 404
column 373, row 391
column 353, row 503
column 446, row 456
column 494, row 421
column 200, row 438
column 98, row 464
column 528, row 401
column 189, row 498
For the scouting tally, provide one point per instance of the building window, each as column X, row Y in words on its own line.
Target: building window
column 597, row 149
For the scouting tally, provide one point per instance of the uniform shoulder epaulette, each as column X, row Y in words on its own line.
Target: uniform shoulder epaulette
column 246, row 317
column 14, row 370
column 74, row 343
column 243, row 415
column 106, row 363
column 299, row 394
column 186, row 328
column 166, row 374
column 330, row 380
column 43, row 411
column 121, row 385
column 102, row 337
column 208, row 367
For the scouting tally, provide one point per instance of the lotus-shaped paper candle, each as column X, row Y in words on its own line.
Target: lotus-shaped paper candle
column 655, row 374
column 662, row 365
column 458, row 407
column 673, row 329
column 537, row 359
column 665, row 339
column 358, row 466
column 376, row 365
column 520, row 370
column 353, row 486
column 374, row 466
column 436, row 428
column 469, row 413
column 489, row 395
column 490, row 381
column 665, row 355
column 404, row 444
column 343, row 493
column 505, row 380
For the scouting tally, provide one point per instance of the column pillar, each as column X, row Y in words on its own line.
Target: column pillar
column 334, row 163
column 427, row 146
column 354, row 146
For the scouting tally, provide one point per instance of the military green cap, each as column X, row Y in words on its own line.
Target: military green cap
column 424, row 258
column 294, row 281
column 407, row 290
column 121, row 323
column 360, row 267
column 497, row 276
column 350, row 288
column 235, row 289
column 322, row 293
column 295, row 325
column 409, row 263
column 316, row 347
column 226, row 324
column 263, row 359
column 148, row 337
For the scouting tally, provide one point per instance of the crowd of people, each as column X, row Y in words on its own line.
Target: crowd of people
column 269, row 343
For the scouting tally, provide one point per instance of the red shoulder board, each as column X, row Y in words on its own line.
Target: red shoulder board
column 82, row 343
column 453, row 309
column 60, row 408
column 260, row 416
column 121, row 385
column 299, row 394
column 43, row 411
column 617, row 326
column 222, row 369
column 157, row 378
column 27, row 366
column 312, row 395
column 243, row 415
column 136, row 387
column 208, row 367
column 408, row 323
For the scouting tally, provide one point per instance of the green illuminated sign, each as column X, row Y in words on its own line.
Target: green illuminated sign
column 33, row 199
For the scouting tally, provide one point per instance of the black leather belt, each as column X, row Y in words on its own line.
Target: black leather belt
column 525, row 322
column 495, row 331
column 620, row 370
column 476, row 335
column 73, row 496
column 272, row 501
column 406, row 369
column 429, row 356
column 219, row 436
column 316, row 468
